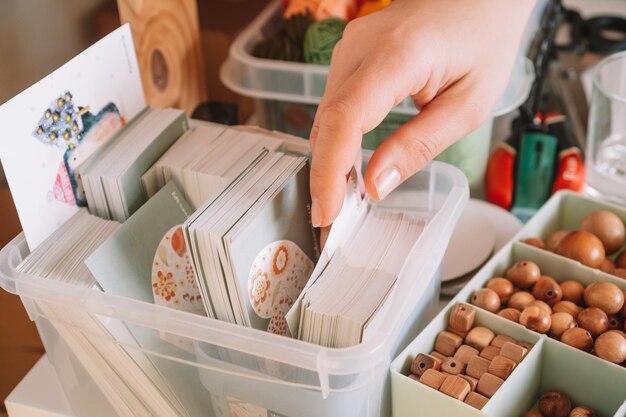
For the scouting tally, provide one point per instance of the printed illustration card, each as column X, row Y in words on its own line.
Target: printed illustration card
column 51, row 128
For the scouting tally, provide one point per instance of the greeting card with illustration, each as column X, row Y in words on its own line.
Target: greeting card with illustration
column 51, row 128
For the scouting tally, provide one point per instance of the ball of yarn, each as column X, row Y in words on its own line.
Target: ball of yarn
column 371, row 6
column 321, row 38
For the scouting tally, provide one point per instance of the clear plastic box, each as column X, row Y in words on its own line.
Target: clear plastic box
column 286, row 377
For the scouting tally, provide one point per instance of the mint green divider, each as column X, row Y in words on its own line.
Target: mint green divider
column 622, row 411
column 413, row 399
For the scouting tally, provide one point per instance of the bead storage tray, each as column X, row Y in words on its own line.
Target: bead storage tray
column 550, row 364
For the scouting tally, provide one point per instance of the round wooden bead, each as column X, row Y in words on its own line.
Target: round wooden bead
column 607, row 227
column 536, row 319
column 619, row 272
column 520, row 300
column 582, row 412
column 583, row 247
column 547, row 290
column 535, row 241
column 502, row 286
column 606, row 296
column 611, row 347
column 578, row 338
column 615, row 322
column 567, row 307
column 618, row 332
column 533, row 414
column 486, row 299
column 560, row 323
column 607, row 266
column 554, row 239
column 510, row 314
column 524, row 274
column 555, row 404
column 594, row 320
column 623, row 312
column 572, row 291
column 542, row 305
column 620, row 260
column 479, row 337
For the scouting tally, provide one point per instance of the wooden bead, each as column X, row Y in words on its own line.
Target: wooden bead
column 535, row 241
column 578, row 338
column 541, row 304
column 524, row 274
column 594, row 320
column 414, row 377
column 607, row 266
column 479, row 337
column 615, row 322
column 455, row 387
column 447, row 343
column 567, row 307
column 554, row 239
column 501, row 339
column 582, row 412
column 533, row 414
column 619, row 272
column 486, row 299
column 547, row 290
column 476, row 400
column 462, row 317
column 513, row 351
column 611, row 346
column 501, row 367
column 583, row 247
column 489, row 352
column 620, row 260
column 438, row 355
column 477, row 366
column 606, row 296
column 453, row 366
column 560, row 323
column 464, row 353
column 572, row 291
column 457, row 332
column 623, row 312
column 472, row 381
column 555, row 404
column 433, row 378
column 510, row 314
column 502, row 286
column 536, row 319
column 520, row 300
column 619, row 332
column 488, row 384
column 607, row 227
column 423, row 362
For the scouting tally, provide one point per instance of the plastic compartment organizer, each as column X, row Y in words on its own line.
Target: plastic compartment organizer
column 587, row 379
column 230, row 363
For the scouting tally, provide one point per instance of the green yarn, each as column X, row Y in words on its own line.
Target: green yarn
column 286, row 44
column 321, row 38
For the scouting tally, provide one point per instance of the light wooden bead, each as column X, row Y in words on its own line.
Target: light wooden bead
column 524, row 274
column 486, row 299
column 547, row 290
column 607, row 266
column 433, row 378
column 502, row 286
column 594, row 320
column 561, row 322
column 453, row 366
column 414, row 377
column 455, row 387
column 572, row 291
column 476, row 400
column 606, row 296
column 501, row 367
column 554, row 239
column 582, row 412
column 457, row 332
column 520, row 300
column 513, row 351
column 611, row 346
column 489, row 352
column 462, row 317
column 542, row 305
column 535, row 241
column 501, row 339
column 479, row 337
column 464, row 353
column 567, row 307
column 488, row 384
column 472, row 381
column 578, row 338
column 536, row 319
column 608, row 227
column 447, row 343
column 510, row 314
column 438, row 355
column 423, row 362
column 477, row 366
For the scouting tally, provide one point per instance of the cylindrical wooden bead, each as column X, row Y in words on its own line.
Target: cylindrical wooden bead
column 477, row 366
column 447, row 343
column 453, row 366
column 611, row 346
column 479, row 337
column 520, row 300
column 510, row 314
column 489, row 352
column 423, row 362
column 513, row 351
column 462, row 317
column 579, row 338
column 502, row 286
column 594, row 320
column 572, row 291
column 488, row 384
column 501, row 339
column 464, row 353
column 476, row 400
column 433, row 378
column 455, row 387
column 501, row 367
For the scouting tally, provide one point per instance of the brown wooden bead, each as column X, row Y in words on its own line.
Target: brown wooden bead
column 477, row 366
column 524, row 274
column 536, row 319
column 567, row 307
column 555, row 404
column 554, row 239
column 619, row 332
column 501, row 339
column 433, row 378
column 615, row 322
column 488, row 384
column 620, row 260
column 510, row 314
column 423, row 362
column 623, row 312
column 572, row 291
column 476, row 400
column 582, row 412
column 464, row 353
column 479, row 337
column 455, row 387
column 606, row 296
column 502, row 286
column 594, row 320
column 583, row 247
column 486, row 299
column 520, row 300
column 579, row 338
column 533, row 414
column 414, row 377
column 611, row 346
column 561, row 322
column 438, row 355
column 457, row 332
column 619, row 272
column 462, row 317
column 447, row 343
column 607, row 266
column 535, row 241
column 607, row 227
column 513, row 351
column 453, row 366
column 489, row 352
column 472, row 381
column 541, row 304
column 547, row 290
column 501, row 367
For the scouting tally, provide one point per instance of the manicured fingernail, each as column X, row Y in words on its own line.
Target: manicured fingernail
column 387, row 181
column 316, row 213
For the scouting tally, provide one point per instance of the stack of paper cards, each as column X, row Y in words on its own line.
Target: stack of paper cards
column 112, row 176
column 253, row 246
column 205, row 160
column 339, row 304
